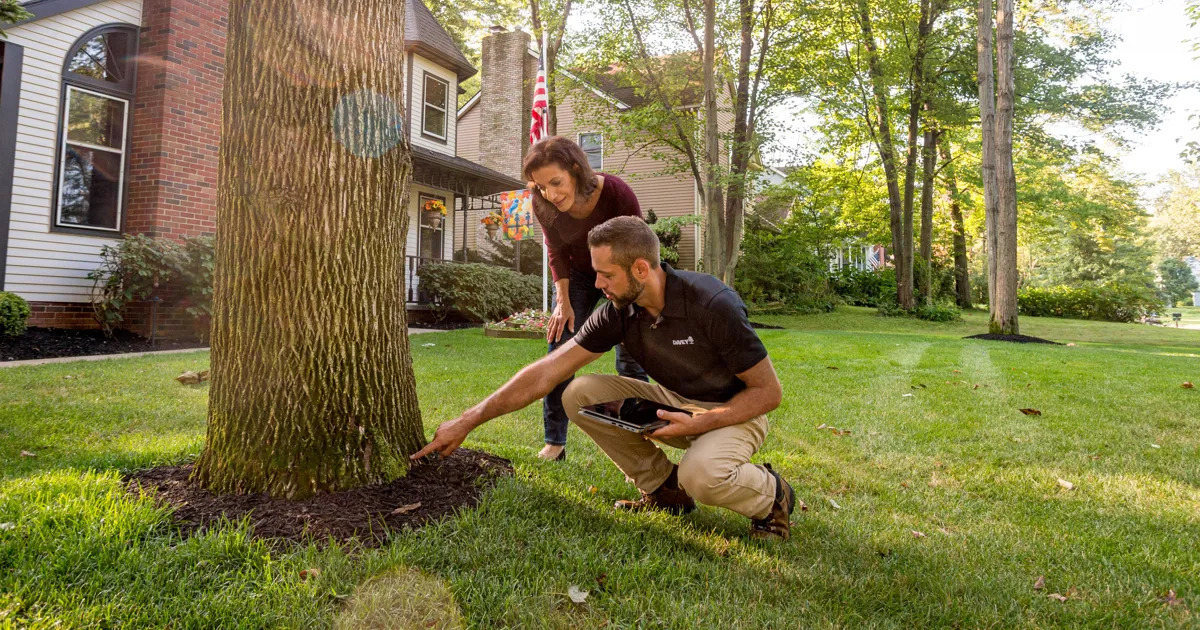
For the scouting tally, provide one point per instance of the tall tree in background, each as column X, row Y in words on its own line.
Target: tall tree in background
column 554, row 24
column 313, row 387
column 962, row 273
column 467, row 22
column 1002, row 227
column 701, row 76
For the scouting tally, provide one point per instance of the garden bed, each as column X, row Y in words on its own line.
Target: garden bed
column 54, row 343
column 527, row 324
column 429, row 491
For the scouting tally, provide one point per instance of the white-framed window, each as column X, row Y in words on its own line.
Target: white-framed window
column 98, row 88
column 437, row 99
column 593, row 146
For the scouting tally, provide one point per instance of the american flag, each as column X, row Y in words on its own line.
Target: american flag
column 541, row 106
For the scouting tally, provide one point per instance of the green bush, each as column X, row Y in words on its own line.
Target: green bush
column 670, row 232
column 480, row 292
column 141, row 267
column 785, row 270
column 14, row 310
column 939, row 311
column 1111, row 302
column 865, row 288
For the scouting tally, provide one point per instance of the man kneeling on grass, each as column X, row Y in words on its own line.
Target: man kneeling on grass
column 690, row 332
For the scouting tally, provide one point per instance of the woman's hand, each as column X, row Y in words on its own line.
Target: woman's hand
column 562, row 319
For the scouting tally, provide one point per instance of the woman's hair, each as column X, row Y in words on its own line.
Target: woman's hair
column 566, row 155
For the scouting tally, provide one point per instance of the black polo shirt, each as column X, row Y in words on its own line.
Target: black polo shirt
column 695, row 348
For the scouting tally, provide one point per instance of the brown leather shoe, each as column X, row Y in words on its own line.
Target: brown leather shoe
column 670, row 496
column 777, row 524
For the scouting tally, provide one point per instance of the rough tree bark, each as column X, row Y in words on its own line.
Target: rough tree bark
column 962, row 275
column 987, row 121
column 313, row 387
column 715, row 228
column 887, row 154
column 1004, row 309
column 928, row 170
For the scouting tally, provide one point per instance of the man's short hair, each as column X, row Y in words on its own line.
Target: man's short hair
column 629, row 238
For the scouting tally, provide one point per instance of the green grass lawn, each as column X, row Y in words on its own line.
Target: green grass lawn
column 929, row 452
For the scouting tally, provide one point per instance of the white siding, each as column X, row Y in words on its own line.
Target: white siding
column 421, row 66
column 44, row 266
column 414, row 226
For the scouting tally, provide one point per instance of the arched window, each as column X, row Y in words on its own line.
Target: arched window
column 97, row 95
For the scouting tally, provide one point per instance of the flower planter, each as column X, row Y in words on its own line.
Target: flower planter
column 433, row 219
column 492, row 231
column 501, row 333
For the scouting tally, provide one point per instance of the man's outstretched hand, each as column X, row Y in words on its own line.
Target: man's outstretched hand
column 447, row 438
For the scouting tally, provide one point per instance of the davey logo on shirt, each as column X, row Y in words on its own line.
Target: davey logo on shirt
column 683, row 342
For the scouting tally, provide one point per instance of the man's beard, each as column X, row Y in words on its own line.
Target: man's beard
column 630, row 295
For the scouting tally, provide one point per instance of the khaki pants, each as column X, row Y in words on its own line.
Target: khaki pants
column 715, row 470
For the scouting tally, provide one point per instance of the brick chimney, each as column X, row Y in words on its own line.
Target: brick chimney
column 508, row 74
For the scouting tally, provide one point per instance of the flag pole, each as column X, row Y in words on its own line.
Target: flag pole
column 545, row 130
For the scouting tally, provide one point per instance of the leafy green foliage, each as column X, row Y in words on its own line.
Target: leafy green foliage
column 1176, row 222
column 786, row 270
column 670, row 231
column 865, row 288
column 14, row 310
column 1178, row 281
column 480, row 292
column 142, row 267
column 12, row 12
column 939, row 311
column 1109, row 302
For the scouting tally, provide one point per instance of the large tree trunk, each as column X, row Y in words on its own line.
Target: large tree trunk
column 313, row 387
column 715, row 229
column 735, row 199
column 987, row 121
column 1004, row 306
column 962, row 275
column 928, row 169
column 887, row 154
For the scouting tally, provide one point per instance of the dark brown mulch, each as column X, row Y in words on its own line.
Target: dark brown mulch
column 441, row 487
column 431, row 325
column 53, row 343
column 1014, row 339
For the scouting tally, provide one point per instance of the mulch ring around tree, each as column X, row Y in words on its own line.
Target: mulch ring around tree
column 55, row 343
column 430, row 491
column 1013, row 338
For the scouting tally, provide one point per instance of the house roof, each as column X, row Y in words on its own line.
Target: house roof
column 459, row 174
column 423, row 33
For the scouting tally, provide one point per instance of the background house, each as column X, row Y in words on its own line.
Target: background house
column 110, row 124
column 494, row 128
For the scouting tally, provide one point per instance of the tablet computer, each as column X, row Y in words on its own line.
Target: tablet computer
column 632, row 414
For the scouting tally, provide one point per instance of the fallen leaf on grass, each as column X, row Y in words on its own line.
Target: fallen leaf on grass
column 945, row 531
column 1066, row 484
column 958, row 371
column 976, row 386
column 1040, row 583
column 68, row 377
column 906, row 395
column 831, row 367
column 428, row 345
column 405, row 509
column 903, row 484
column 28, row 454
column 1094, row 457
column 1061, row 598
column 313, row 573
column 801, row 504
column 835, row 504
column 593, row 489
column 917, row 534
column 1187, row 385
column 577, row 595
column 7, row 526
column 919, row 386
column 1155, row 446
column 1170, row 599
column 1071, row 345
column 1029, row 411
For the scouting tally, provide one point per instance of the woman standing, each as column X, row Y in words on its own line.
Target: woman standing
column 569, row 199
